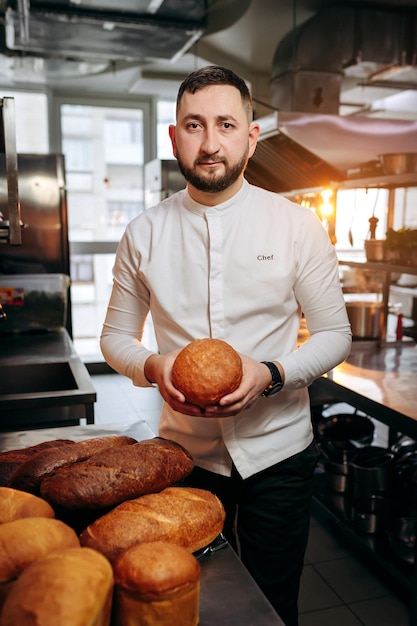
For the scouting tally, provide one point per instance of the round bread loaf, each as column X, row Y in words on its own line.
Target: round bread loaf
column 15, row 504
column 156, row 583
column 206, row 370
column 70, row 587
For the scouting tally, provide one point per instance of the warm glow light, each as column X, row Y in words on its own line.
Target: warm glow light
column 327, row 207
column 326, row 194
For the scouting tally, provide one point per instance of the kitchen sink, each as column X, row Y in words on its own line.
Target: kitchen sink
column 43, row 382
column 36, row 378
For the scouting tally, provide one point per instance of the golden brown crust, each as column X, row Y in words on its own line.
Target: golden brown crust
column 72, row 587
column 206, row 370
column 16, row 504
column 118, row 474
column 156, row 568
column 29, row 475
column 26, row 540
column 156, row 583
column 185, row 516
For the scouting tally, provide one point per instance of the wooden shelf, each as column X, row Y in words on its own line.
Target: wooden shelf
column 381, row 266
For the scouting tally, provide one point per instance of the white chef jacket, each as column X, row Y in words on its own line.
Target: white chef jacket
column 242, row 271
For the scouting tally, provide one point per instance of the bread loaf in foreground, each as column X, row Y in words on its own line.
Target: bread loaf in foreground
column 15, row 504
column 185, row 516
column 156, row 583
column 72, row 587
column 30, row 474
column 27, row 540
column 118, row 474
column 206, row 370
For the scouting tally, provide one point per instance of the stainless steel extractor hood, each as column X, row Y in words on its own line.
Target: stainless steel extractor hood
column 306, row 143
column 96, row 30
column 306, row 150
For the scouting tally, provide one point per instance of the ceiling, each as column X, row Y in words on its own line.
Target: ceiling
column 241, row 34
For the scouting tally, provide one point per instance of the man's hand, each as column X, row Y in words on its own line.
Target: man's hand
column 256, row 377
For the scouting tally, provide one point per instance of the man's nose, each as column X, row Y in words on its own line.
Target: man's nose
column 210, row 144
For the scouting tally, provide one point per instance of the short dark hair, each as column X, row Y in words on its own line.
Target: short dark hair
column 215, row 75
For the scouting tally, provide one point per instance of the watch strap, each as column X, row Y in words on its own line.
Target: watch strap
column 276, row 384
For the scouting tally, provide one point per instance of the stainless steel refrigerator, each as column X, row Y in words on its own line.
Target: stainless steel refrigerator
column 43, row 212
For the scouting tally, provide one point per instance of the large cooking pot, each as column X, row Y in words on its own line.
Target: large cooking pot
column 338, row 432
column 399, row 163
column 366, row 319
column 372, row 471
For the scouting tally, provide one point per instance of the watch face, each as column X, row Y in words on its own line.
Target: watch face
column 274, row 389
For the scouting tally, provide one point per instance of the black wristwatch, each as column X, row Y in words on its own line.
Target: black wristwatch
column 276, row 383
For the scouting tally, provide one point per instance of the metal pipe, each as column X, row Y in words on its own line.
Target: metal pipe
column 14, row 236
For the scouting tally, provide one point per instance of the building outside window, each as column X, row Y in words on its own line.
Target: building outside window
column 104, row 156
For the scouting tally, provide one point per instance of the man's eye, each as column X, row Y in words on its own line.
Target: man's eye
column 193, row 125
column 227, row 125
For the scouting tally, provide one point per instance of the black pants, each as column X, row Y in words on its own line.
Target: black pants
column 267, row 522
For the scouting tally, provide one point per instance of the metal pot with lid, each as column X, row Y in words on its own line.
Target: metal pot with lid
column 372, row 471
column 366, row 319
column 344, row 431
column 399, row 163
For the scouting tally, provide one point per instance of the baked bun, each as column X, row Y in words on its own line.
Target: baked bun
column 206, row 370
column 156, row 583
column 15, row 504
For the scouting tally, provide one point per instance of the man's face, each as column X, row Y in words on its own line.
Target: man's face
column 213, row 138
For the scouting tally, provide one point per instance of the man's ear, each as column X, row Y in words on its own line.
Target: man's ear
column 254, row 131
column 171, row 131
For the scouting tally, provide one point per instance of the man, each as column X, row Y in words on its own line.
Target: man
column 229, row 260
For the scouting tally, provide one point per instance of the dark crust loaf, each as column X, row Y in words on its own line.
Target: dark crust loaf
column 10, row 460
column 186, row 516
column 206, row 370
column 118, row 474
column 29, row 475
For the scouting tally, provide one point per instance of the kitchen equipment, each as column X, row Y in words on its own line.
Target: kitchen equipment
column 374, row 249
column 371, row 471
column 33, row 302
column 399, row 163
column 368, row 523
column 42, row 195
column 339, row 431
column 403, row 538
column 366, row 319
column 337, row 467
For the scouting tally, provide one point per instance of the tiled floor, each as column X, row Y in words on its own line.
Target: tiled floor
column 337, row 587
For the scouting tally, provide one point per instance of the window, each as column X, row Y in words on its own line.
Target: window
column 165, row 117
column 121, row 213
column 31, row 113
column 354, row 209
column 104, row 156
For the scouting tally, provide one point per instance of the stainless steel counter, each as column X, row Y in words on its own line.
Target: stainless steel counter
column 380, row 380
column 43, row 382
column 229, row 595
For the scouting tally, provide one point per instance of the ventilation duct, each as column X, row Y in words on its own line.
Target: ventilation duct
column 373, row 44
column 93, row 30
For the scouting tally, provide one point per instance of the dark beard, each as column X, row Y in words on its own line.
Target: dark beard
column 213, row 183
